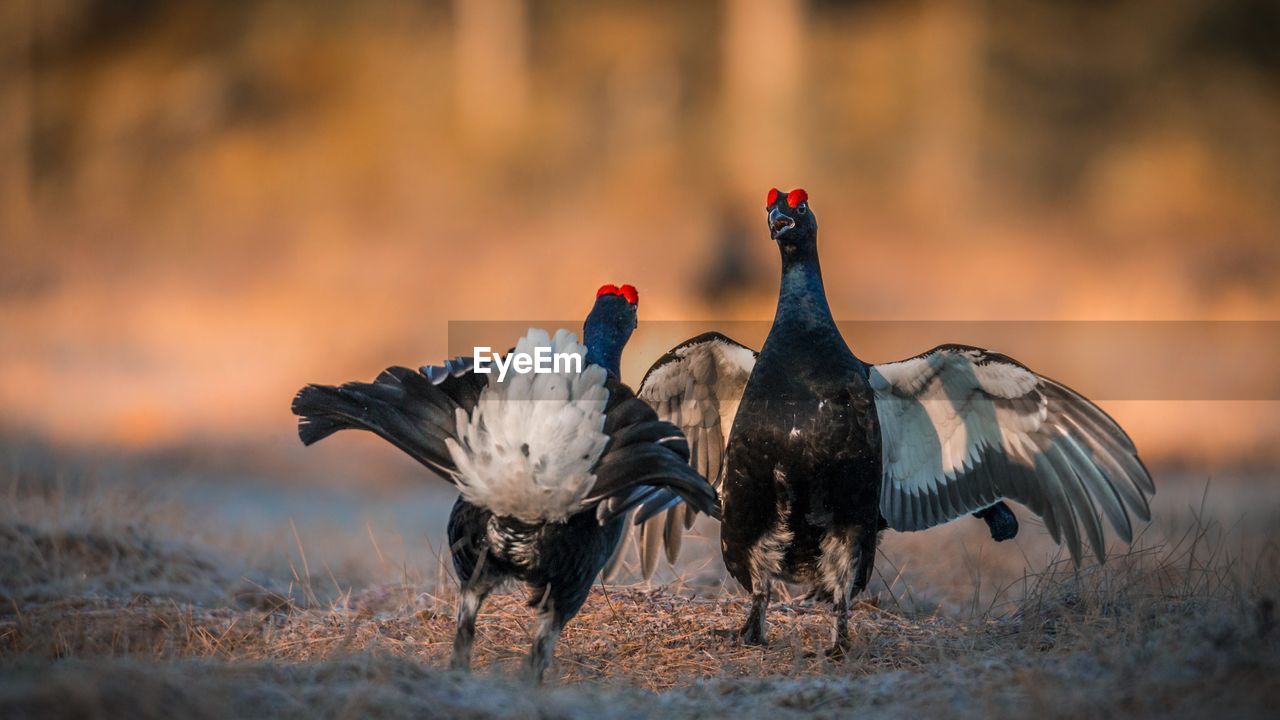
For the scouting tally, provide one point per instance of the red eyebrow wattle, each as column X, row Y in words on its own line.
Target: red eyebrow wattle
column 772, row 197
column 797, row 196
column 629, row 292
column 607, row 290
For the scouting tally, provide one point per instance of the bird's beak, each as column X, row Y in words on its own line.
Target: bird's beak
column 779, row 223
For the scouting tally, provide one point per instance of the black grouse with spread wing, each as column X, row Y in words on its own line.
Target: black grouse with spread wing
column 815, row 451
column 549, row 465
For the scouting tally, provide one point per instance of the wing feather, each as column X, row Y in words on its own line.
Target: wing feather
column 696, row 386
column 673, row 535
column 962, row 427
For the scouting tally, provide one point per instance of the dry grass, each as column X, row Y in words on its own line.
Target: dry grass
column 102, row 615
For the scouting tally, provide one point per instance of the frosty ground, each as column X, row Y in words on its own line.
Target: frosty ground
column 114, row 603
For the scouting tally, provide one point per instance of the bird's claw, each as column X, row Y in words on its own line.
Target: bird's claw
column 750, row 635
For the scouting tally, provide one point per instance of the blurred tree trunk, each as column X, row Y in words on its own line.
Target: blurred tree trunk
column 16, row 26
column 948, row 88
column 764, row 80
column 491, row 70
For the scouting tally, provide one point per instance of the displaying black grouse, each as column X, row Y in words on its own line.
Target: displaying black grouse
column 707, row 434
column 548, row 464
column 823, row 448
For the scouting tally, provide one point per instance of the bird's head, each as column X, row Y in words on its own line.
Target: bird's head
column 791, row 222
column 610, row 324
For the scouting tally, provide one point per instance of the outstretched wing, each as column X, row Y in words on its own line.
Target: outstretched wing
column 962, row 427
column 413, row 410
column 697, row 387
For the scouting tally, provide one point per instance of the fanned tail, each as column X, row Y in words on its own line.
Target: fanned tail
column 411, row 410
column 646, row 465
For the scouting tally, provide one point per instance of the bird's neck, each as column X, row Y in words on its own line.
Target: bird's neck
column 604, row 348
column 802, row 300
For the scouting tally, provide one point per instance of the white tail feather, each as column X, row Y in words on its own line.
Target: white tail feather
column 528, row 447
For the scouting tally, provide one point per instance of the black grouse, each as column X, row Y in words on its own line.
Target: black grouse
column 824, row 450
column 549, row 464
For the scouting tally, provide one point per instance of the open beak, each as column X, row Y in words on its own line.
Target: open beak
column 779, row 223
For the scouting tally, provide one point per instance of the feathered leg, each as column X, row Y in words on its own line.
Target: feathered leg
column 469, row 602
column 836, row 574
column 470, row 552
column 849, row 584
column 756, row 631
column 545, row 635
column 840, row 642
column 764, row 560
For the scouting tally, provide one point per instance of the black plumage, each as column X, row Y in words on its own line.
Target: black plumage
column 802, row 481
column 816, row 452
column 419, row 412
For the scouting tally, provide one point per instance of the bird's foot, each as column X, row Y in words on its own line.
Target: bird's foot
column 535, row 672
column 752, row 634
column 839, row 651
column 460, row 661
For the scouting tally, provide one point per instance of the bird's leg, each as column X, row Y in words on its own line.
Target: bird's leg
column 473, row 595
column 545, row 634
column 837, row 566
column 840, row 642
column 867, row 540
column 755, row 631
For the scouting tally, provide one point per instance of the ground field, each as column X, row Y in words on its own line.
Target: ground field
column 114, row 606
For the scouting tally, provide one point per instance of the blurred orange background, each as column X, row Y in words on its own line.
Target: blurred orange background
column 204, row 205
